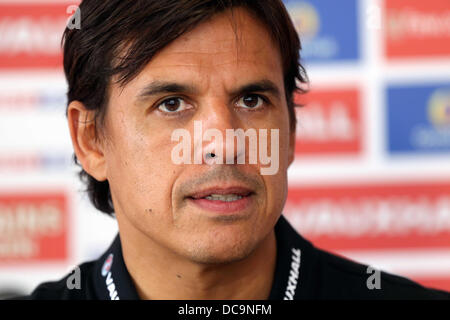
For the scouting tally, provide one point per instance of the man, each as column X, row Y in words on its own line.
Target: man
column 144, row 75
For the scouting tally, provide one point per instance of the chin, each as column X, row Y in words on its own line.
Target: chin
column 218, row 252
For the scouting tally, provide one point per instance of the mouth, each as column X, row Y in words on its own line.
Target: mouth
column 222, row 194
column 223, row 200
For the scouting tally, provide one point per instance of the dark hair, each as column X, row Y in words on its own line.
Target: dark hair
column 119, row 38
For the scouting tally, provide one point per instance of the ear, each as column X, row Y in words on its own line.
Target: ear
column 292, row 140
column 87, row 148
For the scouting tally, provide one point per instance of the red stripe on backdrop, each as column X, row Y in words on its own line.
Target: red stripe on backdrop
column 442, row 283
column 30, row 35
column 330, row 122
column 33, row 227
column 404, row 215
column 417, row 28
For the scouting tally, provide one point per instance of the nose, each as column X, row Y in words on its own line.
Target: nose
column 215, row 122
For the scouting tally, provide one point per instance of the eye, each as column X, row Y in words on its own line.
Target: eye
column 172, row 105
column 251, row 101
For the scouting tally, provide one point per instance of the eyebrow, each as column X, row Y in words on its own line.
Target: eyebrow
column 160, row 87
column 259, row 86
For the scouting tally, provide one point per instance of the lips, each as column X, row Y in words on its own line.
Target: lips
column 235, row 201
column 214, row 192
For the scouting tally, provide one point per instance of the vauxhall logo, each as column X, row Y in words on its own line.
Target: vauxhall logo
column 106, row 272
column 293, row 274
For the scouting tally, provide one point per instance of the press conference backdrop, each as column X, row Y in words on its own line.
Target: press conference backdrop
column 371, row 179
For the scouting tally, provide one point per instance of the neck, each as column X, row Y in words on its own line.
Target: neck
column 160, row 274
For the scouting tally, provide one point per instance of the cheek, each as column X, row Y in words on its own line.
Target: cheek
column 276, row 184
column 139, row 169
column 280, row 146
column 285, row 136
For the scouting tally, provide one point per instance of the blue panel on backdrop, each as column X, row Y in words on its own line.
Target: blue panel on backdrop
column 329, row 29
column 418, row 118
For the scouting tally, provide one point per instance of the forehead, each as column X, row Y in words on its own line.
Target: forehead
column 229, row 46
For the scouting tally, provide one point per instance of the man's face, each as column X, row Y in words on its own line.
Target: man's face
column 165, row 201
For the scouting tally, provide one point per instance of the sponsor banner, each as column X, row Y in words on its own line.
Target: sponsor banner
column 21, row 99
column 30, row 35
column 418, row 118
column 326, row 36
column 417, row 28
column 34, row 161
column 330, row 122
column 33, row 228
column 372, row 216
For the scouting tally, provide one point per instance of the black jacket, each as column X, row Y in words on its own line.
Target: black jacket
column 302, row 272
